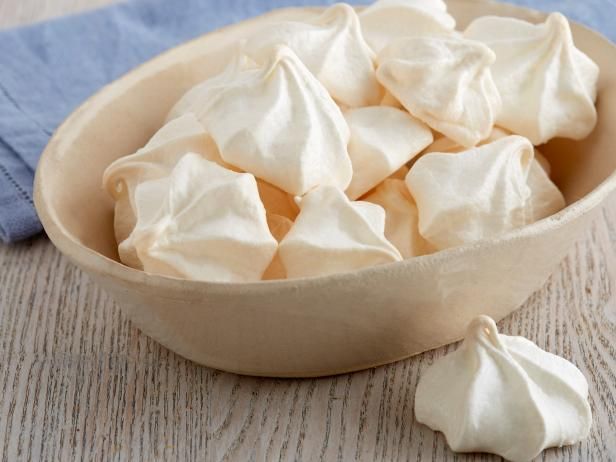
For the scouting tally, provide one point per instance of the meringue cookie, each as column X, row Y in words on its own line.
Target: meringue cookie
column 382, row 140
column 332, row 234
column 401, row 219
column 444, row 82
column 277, row 122
column 480, row 193
column 545, row 198
column 182, row 231
column 155, row 160
column 548, row 86
column 386, row 20
column 332, row 48
column 503, row 395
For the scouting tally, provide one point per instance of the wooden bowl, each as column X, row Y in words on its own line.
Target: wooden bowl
column 312, row 326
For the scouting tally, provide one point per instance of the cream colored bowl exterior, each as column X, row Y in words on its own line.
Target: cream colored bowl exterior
column 316, row 326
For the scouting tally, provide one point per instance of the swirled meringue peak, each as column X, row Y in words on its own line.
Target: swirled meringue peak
column 182, row 230
column 332, row 47
column 445, row 82
column 548, row 86
column 277, row 122
column 382, row 140
column 401, row 218
column 155, row 160
column 480, row 193
column 332, row 234
column 386, row 20
column 503, row 395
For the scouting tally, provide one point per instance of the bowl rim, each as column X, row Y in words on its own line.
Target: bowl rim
column 91, row 260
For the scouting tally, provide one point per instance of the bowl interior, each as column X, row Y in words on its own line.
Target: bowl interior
column 124, row 115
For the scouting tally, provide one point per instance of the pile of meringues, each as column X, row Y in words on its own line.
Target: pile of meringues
column 293, row 161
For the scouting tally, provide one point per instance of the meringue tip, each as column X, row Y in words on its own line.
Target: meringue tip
column 341, row 14
column 559, row 24
column 114, row 184
column 118, row 187
column 482, row 325
column 279, row 53
column 342, row 9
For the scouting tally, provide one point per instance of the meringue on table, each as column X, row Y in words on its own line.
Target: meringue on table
column 332, row 47
column 548, row 87
column 183, row 231
column 503, row 395
column 444, row 82
column 276, row 121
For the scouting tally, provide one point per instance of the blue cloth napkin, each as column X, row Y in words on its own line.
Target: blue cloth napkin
column 47, row 69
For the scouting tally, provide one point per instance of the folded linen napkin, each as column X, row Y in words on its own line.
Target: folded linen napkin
column 47, row 69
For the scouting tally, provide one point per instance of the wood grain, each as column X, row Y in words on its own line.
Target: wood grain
column 79, row 382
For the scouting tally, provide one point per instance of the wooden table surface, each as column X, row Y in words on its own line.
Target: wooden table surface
column 79, row 382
